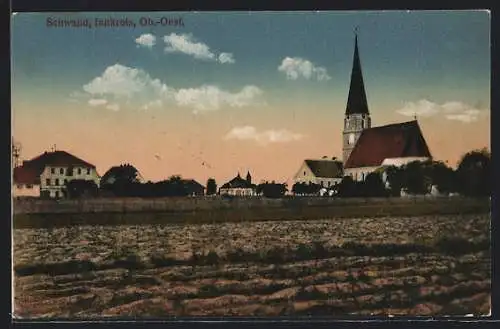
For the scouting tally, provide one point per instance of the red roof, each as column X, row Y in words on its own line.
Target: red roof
column 391, row 141
column 26, row 175
column 30, row 171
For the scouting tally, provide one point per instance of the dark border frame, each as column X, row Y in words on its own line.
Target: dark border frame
column 216, row 5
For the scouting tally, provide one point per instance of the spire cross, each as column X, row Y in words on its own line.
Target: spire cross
column 356, row 29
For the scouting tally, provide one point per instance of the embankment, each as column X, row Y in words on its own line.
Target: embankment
column 30, row 213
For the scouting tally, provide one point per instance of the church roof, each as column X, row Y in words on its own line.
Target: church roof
column 325, row 168
column 398, row 140
column 356, row 101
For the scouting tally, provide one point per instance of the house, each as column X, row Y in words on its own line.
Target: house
column 193, row 187
column 324, row 172
column 239, row 186
column 366, row 148
column 47, row 174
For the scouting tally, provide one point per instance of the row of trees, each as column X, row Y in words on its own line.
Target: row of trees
column 472, row 177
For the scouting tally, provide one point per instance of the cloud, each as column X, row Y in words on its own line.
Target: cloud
column 135, row 87
column 209, row 98
column 146, row 40
column 226, row 58
column 123, row 81
column 264, row 137
column 457, row 111
column 295, row 67
column 113, row 107
column 186, row 44
column 97, row 102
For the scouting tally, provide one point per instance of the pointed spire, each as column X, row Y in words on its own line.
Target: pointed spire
column 356, row 101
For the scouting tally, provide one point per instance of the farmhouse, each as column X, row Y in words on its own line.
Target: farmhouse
column 324, row 172
column 366, row 149
column 239, row 186
column 193, row 187
column 47, row 174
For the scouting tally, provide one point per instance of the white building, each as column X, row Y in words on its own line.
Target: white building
column 239, row 187
column 324, row 172
column 47, row 174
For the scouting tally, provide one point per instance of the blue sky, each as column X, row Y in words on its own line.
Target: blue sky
column 407, row 57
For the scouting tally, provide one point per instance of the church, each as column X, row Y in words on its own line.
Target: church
column 366, row 148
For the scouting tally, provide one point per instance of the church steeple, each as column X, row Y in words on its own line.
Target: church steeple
column 357, row 117
column 356, row 101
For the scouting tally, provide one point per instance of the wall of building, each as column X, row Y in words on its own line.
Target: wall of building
column 305, row 175
column 25, row 190
column 398, row 162
column 237, row 191
column 359, row 174
column 53, row 179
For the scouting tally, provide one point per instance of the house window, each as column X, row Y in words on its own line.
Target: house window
column 29, row 186
column 65, row 182
column 57, row 181
column 79, row 171
column 88, row 171
column 19, row 186
column 57, row 194
column 329, row 184
column 61, row 171
column 48, row 181
column 52, row 170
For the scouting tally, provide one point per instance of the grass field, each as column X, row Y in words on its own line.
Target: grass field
column 426, row 265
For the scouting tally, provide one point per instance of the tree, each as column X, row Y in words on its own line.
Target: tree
column 121, row 174
column 373, row 186
column 272, row 190
column 416, row 178
column 396, row 179
column 442, row 176
column 211, row 186
column 78, row 188
column 347, row 187
column 474, row 173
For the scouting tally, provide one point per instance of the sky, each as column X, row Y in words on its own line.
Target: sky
column 211, row 94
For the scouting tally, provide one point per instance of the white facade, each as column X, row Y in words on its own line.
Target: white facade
column 26, row 190
column 360, row 173
column 237, row 191
column 53, row 179
column 305, row 175
column 398, row 162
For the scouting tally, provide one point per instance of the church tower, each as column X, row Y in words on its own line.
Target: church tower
column 357, row 116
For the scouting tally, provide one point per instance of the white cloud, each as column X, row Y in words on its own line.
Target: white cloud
column 264, row 137
column 209, row 98
column 296, row 67
column 113, row 107
column 123, row 81
column 97, row 102
column 187, row 44
column 137, row 88
column 226, row 58
column 146, row 40
column 457, row 111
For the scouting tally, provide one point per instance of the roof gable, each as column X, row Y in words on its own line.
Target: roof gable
column 325, row 168
column 391, row 141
